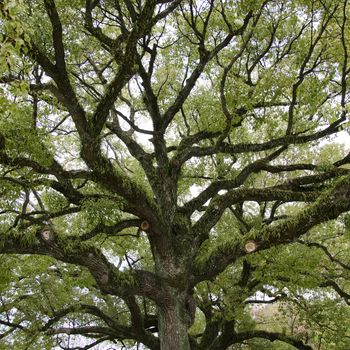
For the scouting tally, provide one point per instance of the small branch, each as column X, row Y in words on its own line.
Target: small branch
column 336, row 287
column 326, row 251
column 112, row 229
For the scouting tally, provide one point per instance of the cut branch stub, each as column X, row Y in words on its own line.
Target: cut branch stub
column 47, row 235
column 144, row 225
column 250, row 246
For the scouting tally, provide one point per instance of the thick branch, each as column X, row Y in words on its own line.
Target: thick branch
column 51, row 10
column 234, row 149
column 327, row 207
column 219, row 203
column 271, row 336
column 293, row 184
column 109, row 279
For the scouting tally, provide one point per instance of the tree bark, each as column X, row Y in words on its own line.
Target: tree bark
column 173, row 322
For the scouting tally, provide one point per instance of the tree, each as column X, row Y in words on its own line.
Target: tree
column 167, row 164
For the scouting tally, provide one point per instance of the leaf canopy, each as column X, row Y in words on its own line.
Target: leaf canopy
column 143, row 143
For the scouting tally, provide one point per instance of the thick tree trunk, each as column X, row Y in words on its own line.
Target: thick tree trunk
column 173, row 323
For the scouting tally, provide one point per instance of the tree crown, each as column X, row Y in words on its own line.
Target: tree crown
column 164, row 164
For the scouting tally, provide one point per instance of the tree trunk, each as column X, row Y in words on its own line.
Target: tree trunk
column 173, row 323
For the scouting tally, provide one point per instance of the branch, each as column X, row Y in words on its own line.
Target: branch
column 90, row 309
column 11, row 324
column 109, row 44
column 127, row 68
column 115, row 330
column 220, row 203
column 139, row 203
column 57, row 36
column 7, row 333
column 58, row 72
column 88, row 330
column 87, row 347
column 271, row 336
column 239, row 180
column 72, row 250
column 111, row 230
column 326, row 251
column 328, row 206
column 227, row 148
column 303, row 72
column 90, row 150
column 293, row 184
column 138, row 325
column 205, row 57
column 161, row 15
column 336, row 287
column 144, row 158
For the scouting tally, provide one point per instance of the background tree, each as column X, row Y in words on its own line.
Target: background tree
column 165, row 165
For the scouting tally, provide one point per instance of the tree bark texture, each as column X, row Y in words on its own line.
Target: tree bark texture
column 173, row 322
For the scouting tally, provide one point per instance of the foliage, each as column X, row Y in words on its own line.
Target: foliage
column 171, row 174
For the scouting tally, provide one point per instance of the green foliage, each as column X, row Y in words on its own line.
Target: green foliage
column 143, row 143
column 105, row 211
